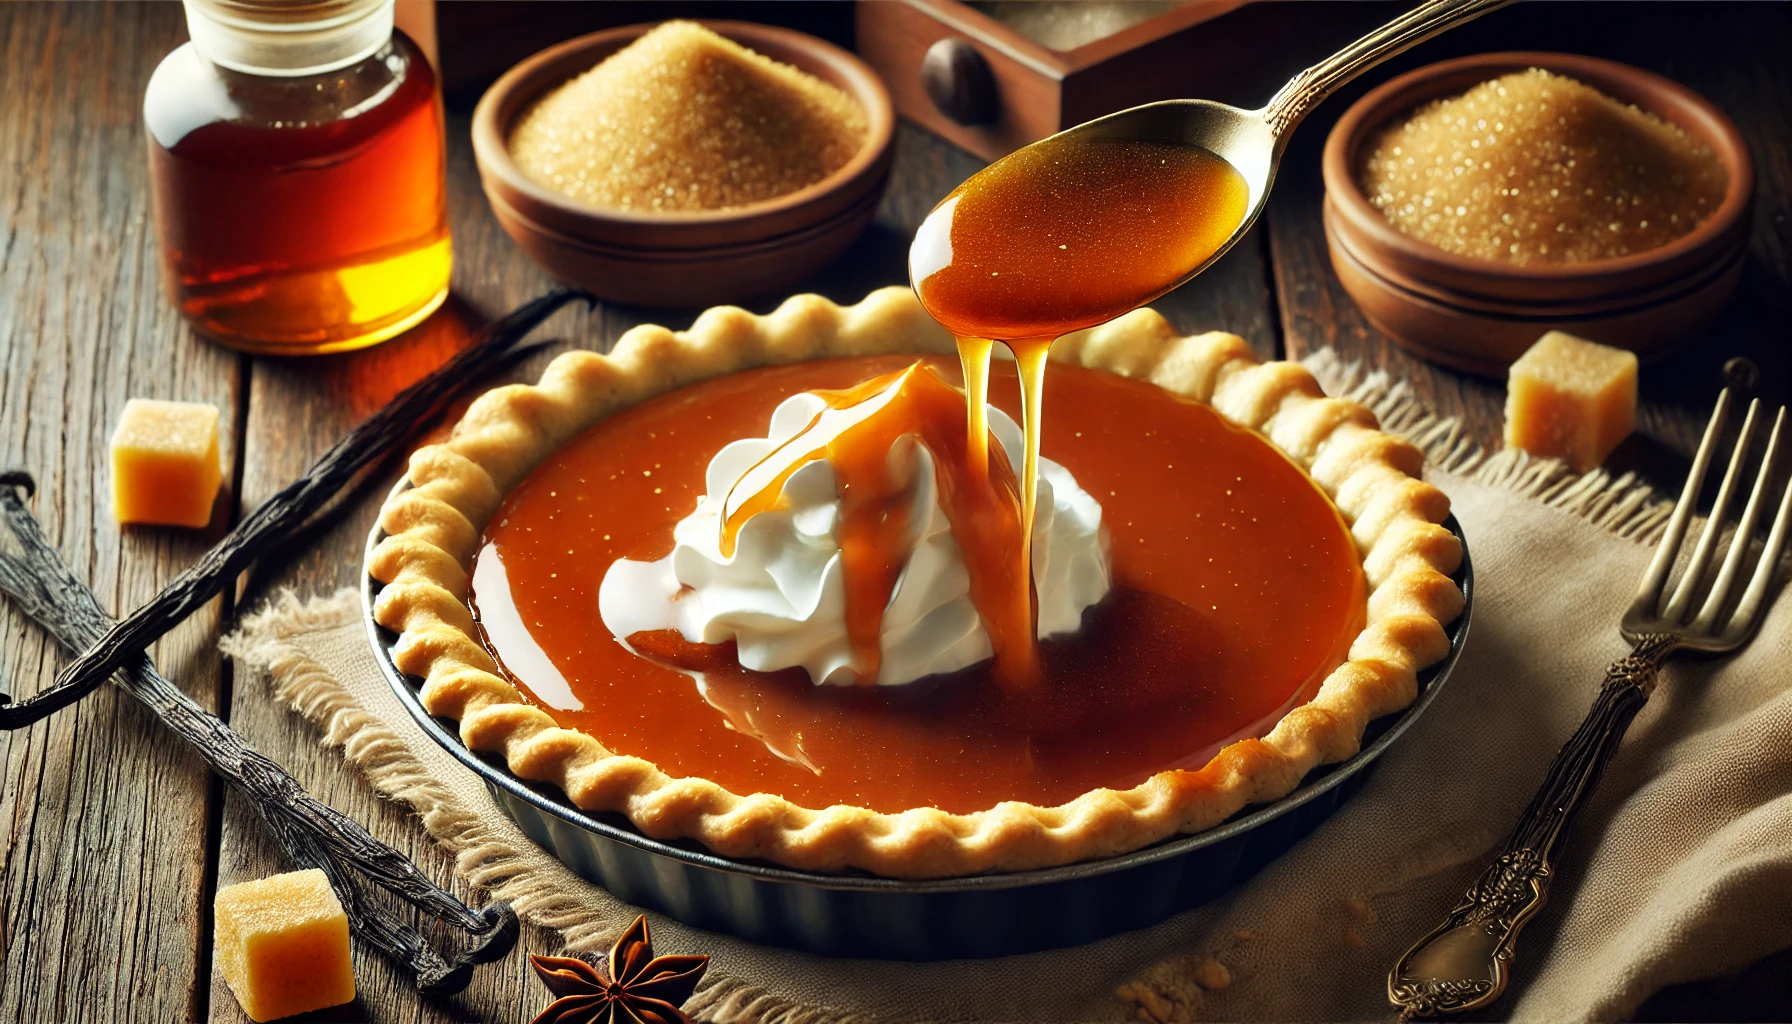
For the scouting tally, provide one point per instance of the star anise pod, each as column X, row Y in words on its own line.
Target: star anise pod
column 638, row 988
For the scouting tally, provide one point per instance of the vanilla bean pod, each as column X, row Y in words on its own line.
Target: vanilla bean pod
column 312, row 833
column 285, row 512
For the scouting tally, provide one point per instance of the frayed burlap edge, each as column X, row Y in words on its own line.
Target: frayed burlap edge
column 1622, row 504
column 483, row 857
column 489, row 861
column 1173, row 989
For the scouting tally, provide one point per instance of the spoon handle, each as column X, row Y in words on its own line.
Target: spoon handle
column 1305, row 90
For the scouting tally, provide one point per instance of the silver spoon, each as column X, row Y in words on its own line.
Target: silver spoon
column 1251, row 141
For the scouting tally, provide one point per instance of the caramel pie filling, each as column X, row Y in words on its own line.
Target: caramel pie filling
column 1237, row 589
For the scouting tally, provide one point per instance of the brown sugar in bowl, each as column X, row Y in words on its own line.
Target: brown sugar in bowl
column 1480, row 315
column 684, row 258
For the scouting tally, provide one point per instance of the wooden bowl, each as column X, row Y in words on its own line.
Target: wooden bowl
column 684, row 259
column 1479, row 315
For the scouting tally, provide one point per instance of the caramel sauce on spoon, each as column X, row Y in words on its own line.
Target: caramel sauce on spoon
column 1062, row 235
column 1070, row 233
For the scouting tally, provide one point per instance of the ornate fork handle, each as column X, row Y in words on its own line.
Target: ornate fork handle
column 1462, row 964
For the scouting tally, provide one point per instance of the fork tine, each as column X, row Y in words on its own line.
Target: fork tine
column 1748, row 610
column 1745, row 530
column 1714, row 523
column 1648, row 595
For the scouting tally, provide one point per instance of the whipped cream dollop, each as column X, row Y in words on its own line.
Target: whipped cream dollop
column 781, row 595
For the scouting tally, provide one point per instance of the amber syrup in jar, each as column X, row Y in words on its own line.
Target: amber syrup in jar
column 300, row 213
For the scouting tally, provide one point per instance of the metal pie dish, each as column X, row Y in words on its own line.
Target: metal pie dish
column 861, row 915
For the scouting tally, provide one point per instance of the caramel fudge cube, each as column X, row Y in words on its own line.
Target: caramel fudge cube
column 282, row 945
column 1571, row 399
column 165, row 463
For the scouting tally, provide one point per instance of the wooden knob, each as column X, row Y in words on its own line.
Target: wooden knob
column 958, row 81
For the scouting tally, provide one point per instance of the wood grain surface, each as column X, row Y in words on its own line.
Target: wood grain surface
column 115, row 839
column 106, row 887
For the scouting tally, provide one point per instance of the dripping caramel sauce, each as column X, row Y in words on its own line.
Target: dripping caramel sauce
column 981, row 499
column 1059, row 236
column 1237, row 589
column 1140, row 214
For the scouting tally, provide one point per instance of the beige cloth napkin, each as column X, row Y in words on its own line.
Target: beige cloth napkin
column 1680, row 868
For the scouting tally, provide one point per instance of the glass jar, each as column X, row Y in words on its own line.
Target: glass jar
column 296, row 156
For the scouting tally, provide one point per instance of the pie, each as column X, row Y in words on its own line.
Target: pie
column 1280, row 576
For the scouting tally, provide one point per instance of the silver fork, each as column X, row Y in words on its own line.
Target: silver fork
column 1463, row 963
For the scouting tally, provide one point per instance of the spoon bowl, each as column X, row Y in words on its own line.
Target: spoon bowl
column 1243, row 138
column 1250, row 141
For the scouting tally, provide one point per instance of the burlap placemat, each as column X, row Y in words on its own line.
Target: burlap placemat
column 1681, row 868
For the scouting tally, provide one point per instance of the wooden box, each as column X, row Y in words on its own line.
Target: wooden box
column 977, row 74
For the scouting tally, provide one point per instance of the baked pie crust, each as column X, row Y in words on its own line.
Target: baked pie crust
column 433, row 530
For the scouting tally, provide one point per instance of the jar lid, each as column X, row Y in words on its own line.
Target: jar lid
column 288, row 38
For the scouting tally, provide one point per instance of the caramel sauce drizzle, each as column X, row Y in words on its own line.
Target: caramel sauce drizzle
column 858, row 433
column 1140, row 215
column 1057, row 237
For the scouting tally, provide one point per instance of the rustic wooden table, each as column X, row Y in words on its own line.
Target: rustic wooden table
column 115, row 838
